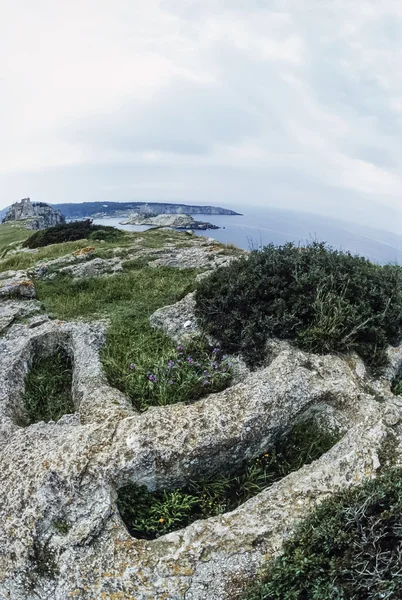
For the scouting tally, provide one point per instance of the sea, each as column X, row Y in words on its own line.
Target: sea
column 259, row 227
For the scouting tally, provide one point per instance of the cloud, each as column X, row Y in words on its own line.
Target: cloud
column 273, row 103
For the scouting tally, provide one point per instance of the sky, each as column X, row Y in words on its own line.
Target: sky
column 284, row 103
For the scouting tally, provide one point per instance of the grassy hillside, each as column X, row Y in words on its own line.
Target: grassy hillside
column 10, row 233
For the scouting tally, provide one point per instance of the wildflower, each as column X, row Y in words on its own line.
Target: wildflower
column 152, row 378
column 190, row 360
column 266, row 455
column 197, row 365
column 215, row 351
column 161, row 520
column 171, row 382
column 132, row 366
column 171, row 364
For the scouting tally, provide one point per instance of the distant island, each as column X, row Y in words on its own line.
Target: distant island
column 98, row 210
column 176, row 221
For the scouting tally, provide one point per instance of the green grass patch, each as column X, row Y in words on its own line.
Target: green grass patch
column 176, row 375
column 324, row 300
column 11, row 233
column 397, row 387
column 350, row 547
column 136, row 357
column 149, row 515
column 47, row 395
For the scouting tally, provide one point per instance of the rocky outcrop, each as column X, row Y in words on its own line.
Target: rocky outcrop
column 35, row 215
column 61, row 534
column 202, row 253
column 166, row 220
column 16, row 284
column 69, row 472
column 73, row 469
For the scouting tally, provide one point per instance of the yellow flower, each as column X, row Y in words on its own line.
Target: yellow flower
column 161, row 520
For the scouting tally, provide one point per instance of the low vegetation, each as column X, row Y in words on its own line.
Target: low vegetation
column 397, row 387
column 70, row 232
column 323, row 299
column 151, row 514
column 11, row 233
column 179, row 375
column 139, row 360
column 47, row 395
column 349, row 548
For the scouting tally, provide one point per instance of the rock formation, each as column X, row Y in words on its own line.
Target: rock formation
column 37, row 215
column 168, row 220
column 69, row 472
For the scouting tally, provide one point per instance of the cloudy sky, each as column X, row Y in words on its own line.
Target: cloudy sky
column 290, row 103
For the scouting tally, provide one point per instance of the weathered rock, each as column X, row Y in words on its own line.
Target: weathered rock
column 177, row 320
column 79, row 264
column 93, row 268
column 11, row 311
column 16, row 284
column 70, row 472
column 195, row 257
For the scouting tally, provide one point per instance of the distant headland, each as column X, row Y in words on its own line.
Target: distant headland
column 98, row 210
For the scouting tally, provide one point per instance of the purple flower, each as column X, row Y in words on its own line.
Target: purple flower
column 198, row 365
column 132, row 366
column 179, row 348
column 152, row 378
column 171, row 382
column 190, row 360
column 215, row 350
column 171, row 364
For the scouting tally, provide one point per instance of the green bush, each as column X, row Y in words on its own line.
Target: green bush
column 70, row 232
column 323, row 299
column 151, row 514
column 350, row 548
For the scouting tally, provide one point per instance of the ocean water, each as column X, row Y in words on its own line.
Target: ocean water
column 258, row 227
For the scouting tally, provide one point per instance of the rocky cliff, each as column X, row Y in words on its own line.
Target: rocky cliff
column 36, row 215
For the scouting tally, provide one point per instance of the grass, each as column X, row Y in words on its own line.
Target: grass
column 136, row 356
column 11, row 234
column 349, row 548
column 47, row 395
column 397, row 387
column 149, row 515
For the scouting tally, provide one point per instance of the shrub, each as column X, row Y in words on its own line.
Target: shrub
column 47, row 395
column 349, row 548
column 151, row 514
column 70, row 232
column 323, row 299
